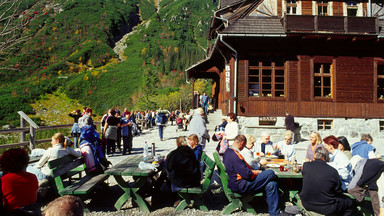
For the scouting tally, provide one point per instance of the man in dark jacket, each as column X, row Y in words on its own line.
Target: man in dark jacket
column 321, row 191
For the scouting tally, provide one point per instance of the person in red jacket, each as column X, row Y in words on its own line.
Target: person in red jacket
column 19, row 188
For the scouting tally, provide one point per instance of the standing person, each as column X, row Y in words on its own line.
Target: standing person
column 148, row 117
column 243, row 180
column 290, row 125
column 196, row 96
column 86, row 119
column 198, row 127
column 126, row 132
column 84, row 111
column 75, row 131
column 315, row 142
column 321, row 191
column 110, row 132
column 338, row 160
column 161, row 119
column 118, row 140
column 18, row 187
column 204, row 102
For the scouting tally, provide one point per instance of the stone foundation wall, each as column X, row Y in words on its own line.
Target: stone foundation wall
column 350, row 128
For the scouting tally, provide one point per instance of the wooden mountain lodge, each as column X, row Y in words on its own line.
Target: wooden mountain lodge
column 314, row 58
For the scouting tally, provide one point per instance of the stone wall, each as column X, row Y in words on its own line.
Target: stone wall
column 350, row 128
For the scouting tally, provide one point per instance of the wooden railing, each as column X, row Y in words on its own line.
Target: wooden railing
column 32, row 129
column 331, row 24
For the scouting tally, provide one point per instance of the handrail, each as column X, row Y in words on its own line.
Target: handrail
column 29, row 120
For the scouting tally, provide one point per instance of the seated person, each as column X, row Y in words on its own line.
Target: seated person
column 182, row 167
column 60, row 148
column 221, row 127
column 364, row 148
column 193, row 140
column 256, row 163
column 321, row 191
column 19, row 188
column 65, row 206
column 344, row 146
column 338, row 160
column 243, row 180
column 315, row 142
column 286, row 148
column 264, row 145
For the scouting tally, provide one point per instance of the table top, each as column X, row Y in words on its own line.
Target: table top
column 129, row 167
column 285, row 174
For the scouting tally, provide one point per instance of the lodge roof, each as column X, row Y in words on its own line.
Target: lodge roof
column 255, row 25
column 225, row 3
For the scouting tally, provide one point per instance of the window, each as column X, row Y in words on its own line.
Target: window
column 267, row 120
column 324, row 124
column 266, row 77
column 322, row 7
column 351, row 8
column 291, row 6
column 380, row 81
column 323, row 80
column 381, row 125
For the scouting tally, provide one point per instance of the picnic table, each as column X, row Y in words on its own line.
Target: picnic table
column 129, row 167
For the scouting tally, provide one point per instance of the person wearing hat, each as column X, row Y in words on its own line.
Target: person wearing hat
column 338, row 160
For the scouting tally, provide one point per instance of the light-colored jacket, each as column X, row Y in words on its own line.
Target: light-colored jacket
column 52, row 153
column 198, row 127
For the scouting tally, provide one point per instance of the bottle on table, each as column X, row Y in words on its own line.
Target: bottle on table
column 145, row 151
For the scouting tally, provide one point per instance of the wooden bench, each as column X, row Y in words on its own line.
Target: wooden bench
column 295, row 199
column 236, row 201
column 193, row 196
column 64, row 168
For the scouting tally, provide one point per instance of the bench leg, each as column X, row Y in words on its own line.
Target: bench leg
column 246, row 206
column 139, row 182
column 235, row 204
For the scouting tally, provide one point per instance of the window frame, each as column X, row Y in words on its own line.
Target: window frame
column 289, row 4
column 322, row 124
column 273, row 68
column 379, row 97
column 323, row 75
column 322, row 4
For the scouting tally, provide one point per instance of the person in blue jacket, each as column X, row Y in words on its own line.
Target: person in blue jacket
column 364, row 148
column 244, row 180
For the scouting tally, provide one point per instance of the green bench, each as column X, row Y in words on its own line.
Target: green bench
column 63, row 169
column 236, row 201
column 193, row 196
column 295, row 199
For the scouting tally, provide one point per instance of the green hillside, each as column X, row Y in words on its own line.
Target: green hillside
column 70, row 50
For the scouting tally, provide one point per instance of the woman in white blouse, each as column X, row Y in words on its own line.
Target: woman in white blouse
column 60, row 148
column 255, row 163
column 231, row 129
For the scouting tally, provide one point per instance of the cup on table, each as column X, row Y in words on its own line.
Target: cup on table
column 268, row 154
column 281, row 168
column 258, row 153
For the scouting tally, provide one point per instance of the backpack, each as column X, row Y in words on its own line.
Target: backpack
column 89, row 154
column 161, row 118
column 179, row 121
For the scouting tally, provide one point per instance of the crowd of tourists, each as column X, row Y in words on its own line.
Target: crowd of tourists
column 331, row 168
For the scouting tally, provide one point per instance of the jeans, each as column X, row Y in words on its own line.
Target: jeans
column 127, row 144
column 40, row 176
column 161, row 128
column 265, row 181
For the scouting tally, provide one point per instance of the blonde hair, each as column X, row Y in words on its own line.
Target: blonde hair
column 288, row 133
column 318, row 137
column 193, row 137
column 61, row 138
column 250, row 138
column 180, row 141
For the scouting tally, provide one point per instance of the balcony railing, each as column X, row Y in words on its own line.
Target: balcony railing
column 331, row 24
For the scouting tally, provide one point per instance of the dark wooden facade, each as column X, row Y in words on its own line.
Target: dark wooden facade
column 350, row 47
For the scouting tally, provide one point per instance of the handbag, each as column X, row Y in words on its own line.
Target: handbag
column 222, row 146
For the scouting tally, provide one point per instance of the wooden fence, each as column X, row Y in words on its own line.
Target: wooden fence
column 32, row 129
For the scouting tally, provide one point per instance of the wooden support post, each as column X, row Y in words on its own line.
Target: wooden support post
column 32, row 137
column 23, row 133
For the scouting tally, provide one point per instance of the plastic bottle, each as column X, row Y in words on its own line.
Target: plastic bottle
column 145, row 151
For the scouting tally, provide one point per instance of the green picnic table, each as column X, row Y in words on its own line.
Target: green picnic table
column 129, row 167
